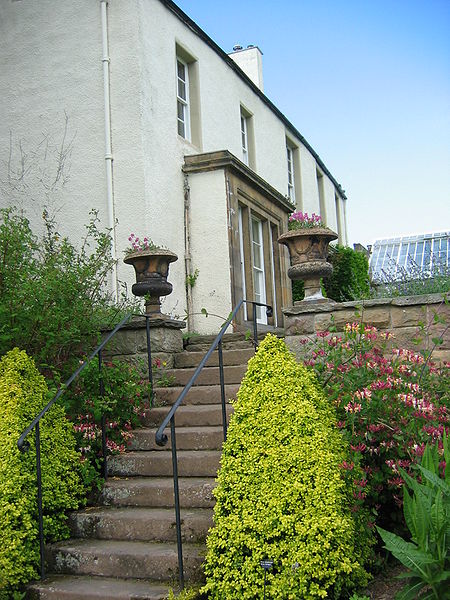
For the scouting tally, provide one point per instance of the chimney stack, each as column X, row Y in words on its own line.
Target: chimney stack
column 250, row 61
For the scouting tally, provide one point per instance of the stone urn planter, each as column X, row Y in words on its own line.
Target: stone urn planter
column 152, row 268
column 308, row 251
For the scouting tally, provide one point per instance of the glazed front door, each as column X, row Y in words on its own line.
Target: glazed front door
column 258, row 270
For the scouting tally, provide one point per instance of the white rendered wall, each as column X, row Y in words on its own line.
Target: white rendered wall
column 210, row 250
column 51, row 63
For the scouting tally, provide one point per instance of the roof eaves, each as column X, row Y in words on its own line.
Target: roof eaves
column 212, row 44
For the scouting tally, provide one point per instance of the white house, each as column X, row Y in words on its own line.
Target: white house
column 167, row 135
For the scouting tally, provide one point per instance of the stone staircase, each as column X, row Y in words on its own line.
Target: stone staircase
column 126, row 547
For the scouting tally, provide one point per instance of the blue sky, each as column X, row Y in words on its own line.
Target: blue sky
column 368, row 85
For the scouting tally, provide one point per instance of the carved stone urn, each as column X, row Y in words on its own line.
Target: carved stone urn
column 152, row 268
column 308, row 251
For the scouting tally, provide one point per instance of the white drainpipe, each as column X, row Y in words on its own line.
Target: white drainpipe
column 108, row 148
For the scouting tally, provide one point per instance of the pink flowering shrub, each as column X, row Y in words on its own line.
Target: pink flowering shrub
column 301, row 220
column 390, row 403
column 124, row 402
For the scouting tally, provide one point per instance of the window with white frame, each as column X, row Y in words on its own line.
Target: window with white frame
column 244, row 138
column 183, row 108
column 290, row 174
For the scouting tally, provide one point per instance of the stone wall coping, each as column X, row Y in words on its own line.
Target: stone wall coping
column 138, row 322
column 317, row 307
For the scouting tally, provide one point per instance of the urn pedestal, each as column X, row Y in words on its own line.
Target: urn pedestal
column 308, row 251
column 151, row 268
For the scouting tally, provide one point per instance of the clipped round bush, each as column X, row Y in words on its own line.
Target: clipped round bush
column 22, row 395
column 281, row 493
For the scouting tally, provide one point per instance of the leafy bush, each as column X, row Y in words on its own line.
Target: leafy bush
column 22, row 395
column 427, row 514
column 350, row 277
column 281, row 494
column 126, row 398
column 52, row 295
column 390, row 402
column 349, row 280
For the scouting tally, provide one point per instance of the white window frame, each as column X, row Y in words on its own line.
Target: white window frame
column 290, row 173
column 244, row 138
column 183, row 102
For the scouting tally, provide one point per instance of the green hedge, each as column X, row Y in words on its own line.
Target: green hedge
column 350, row 277
column 22, row 395
column 281, row 494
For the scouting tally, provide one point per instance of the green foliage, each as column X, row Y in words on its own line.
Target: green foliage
column 191, row 279
column 22, row 395
column 350, row 277
column 390, row 402
column 52, row 294
column 281, row 494
column 298, row 290
column 427, row 515
column 126, row 398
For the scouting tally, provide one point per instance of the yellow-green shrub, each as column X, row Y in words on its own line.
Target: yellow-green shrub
column 281, row 494
column 22, row 395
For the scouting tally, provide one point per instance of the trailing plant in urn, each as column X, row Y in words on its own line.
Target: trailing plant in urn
column 307, row 241
column 151, row 265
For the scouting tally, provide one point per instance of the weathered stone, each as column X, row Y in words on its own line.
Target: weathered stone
column 407, row 316
column 440, row 356
column 439, row 331
column 419, row 300
column 379, row 317
column 298, row 325
column 162, row 339
column 295, row 345
column 409, row 337
column 340, row 318
column 124, row 342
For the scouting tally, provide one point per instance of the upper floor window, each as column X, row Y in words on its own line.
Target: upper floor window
column 244, row 138
column 183, row 106
column 290, row 174
column 247, row 138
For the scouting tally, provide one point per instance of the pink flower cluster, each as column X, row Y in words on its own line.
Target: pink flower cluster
column 137, row 244
column 389, row 402
column 301, row 220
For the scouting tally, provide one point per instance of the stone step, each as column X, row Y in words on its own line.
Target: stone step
column 202, row 394
column 191, row 463
column 157, row 492
column 72, row 587
column 124, row 559
column 230, row 357
column 187, row 438
column 208, row 376
column 188, row 415
column 229, row 340
column 140, row 523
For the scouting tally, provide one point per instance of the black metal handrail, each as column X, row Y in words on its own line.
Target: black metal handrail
column 24, row 445
column 161, row 437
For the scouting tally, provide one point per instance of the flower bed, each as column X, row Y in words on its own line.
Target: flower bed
column 390, row 402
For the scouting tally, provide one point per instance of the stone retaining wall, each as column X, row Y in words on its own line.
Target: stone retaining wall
column 130, row 342
column 400, row 316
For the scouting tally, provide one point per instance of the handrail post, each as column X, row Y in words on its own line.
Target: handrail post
column 149, row 358
column 101, row 384
column 222, row 390
column 39, row 497
column 176, row 492
column 255, row 327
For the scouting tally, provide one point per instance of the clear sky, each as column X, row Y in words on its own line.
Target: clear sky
column 367, row 83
